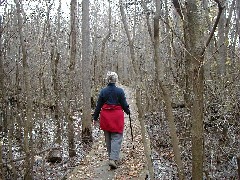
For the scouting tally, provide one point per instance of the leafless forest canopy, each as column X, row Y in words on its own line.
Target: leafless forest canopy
column 180, row 57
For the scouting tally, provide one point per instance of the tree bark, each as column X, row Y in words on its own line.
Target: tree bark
column 194, row 75
column 10, row 139
column 103, row 47
column 55, row 154
column 86, row 80
column 145, row 138
column 2, row 173
column 238, row 164
column 222, row 56
column 72, row 63
column 159, row 69
column 167, row 100
column 56, row 81
column 26, row 78
column 238, row 18
column 3, row 124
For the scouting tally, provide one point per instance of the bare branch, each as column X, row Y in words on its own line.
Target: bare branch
column 147, row 17
column 178, row 7
column 1, row 2
column 220, row 9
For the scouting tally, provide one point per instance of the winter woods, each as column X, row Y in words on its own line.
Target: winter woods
column 180, row 57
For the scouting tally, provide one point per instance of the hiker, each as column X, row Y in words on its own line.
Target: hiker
column 110, row 105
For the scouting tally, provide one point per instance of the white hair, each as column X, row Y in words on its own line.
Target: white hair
column 112, row 77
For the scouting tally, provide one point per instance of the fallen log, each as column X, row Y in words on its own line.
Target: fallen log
column 37, row 153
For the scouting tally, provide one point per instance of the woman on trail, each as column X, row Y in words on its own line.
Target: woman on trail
column 110, row 105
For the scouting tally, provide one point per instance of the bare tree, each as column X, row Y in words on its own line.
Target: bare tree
column 10, row 118
column 55, row 74
column 222, row 45
column 86, row 79
column 195, row 50
column 159, row 69
column 72, row 63
column 2, row 95
column 26, row 78
column 3, row 123
column 103, row 47
column 238, row 18
column 137, row 85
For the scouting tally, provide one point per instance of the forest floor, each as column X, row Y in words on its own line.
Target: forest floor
column 219, row 164
column 91, row 162
column 132, row 161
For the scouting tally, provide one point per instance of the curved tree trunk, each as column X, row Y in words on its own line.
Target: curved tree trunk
column 159, row 69
column 166, row 96
column 145, row 138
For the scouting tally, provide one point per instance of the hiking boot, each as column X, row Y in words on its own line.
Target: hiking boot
column 112, row 164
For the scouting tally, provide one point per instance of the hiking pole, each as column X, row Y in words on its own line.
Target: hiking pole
column 131, row 128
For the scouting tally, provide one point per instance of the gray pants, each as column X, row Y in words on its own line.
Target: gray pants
column 113, row 143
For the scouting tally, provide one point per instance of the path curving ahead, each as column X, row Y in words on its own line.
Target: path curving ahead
column 133, row 164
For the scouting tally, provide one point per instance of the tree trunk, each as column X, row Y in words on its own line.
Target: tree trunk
column 2, row 173
column 55, row 60
column 55, row 154
column 56, row 81
column 145, row 136
column 146, row 142
column 238, row 164
column 222, row 56
column 26, row 79
column 197, row 120
column 194, row 71
column 72, row 61
column 167, row 99
column 238, row 19
column 210, row 49
column 103, row 47
column 3, row 121
column 159, row 69
column 10, row 139
column 3, row 128
column 86, row 80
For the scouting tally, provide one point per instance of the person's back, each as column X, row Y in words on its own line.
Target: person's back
column 110, row 105
column 113, row 95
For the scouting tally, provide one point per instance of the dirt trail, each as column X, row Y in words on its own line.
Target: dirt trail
column 132, row 166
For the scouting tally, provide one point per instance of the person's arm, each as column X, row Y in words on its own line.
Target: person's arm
column 124, row 103
column 100, row 103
